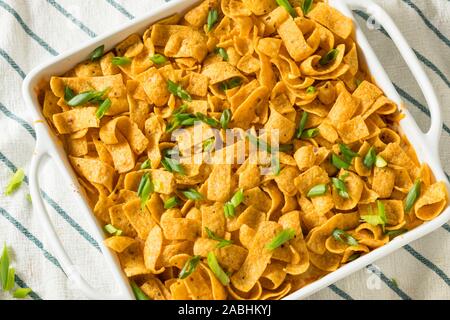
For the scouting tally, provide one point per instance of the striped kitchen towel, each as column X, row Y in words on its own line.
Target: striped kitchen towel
column 33, row 31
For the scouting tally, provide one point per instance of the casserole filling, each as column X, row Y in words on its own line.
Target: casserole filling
column 240, row 151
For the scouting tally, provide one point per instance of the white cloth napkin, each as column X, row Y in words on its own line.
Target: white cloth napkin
column 33, row 31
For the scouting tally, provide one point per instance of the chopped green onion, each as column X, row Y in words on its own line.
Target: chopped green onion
column 146, row 164
column 213, row 16
column 370, row 158
column 68, row 93
column 180, row 110
column 225, row 118
column 262, row 145
column 120, row 61
column 158, row 59
column 394, row 282
column 230, row 84
column 348, row 153
column 237, row 198
column 109, row 228
column 275, row 162
column 395, row 233
column 330, row 56
column 302, row 125
column 317, row 190
column 353, row 257
column 170, row 164
column 223, row 53
column 189, row 267
column 85, row 97
column 10, row 279
column 339, row 184
column 222, row 242
column 378, row 219
column 311, row 90
column 380, row 162
column 310, row 133
column 208, row 144
column 178, row 91
column 286, row 147
column 145, row 189
column 306, row 6
column 28, row 196
column 170, row 203
column 412, row 196
column 97, row 53
column 4, row 267
column 21, row 293
column 15, row 182
column 217, row 269
column 286, row 5
column 338, row 162
column 192, row 194
column 138, row 293
column 104, row 107
column 229, row 210
column 281, row 238
column 342, row 236
column 208, row 120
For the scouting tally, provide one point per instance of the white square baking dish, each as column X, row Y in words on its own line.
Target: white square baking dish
column 426, row 144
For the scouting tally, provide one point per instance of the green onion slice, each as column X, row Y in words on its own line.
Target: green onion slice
column 311, row 90
column 10, row 279
column 306, row 6
column 317, row 190
column 310, row 133
column 68, row 93
column 412, row 195
column 189, row 267
column 170, row 203
column 178, row 91
column 15, row 182
column 146, row 164
column 223, row 53
column 120, row 61
column 338, row 162
column 217, row 269
column 145, row 189
column 339, row 184
column 208, row 144
column 97, row 53
column 103, row 108
column 281, row 238
column 222, row 242
column 286, row 5
column 342, row 236
column 348, row 153
column 208, row 120
column 213, row 16
column 302, row 125
column 229, row 210
column 329, row 57
column 138, row 293
column 86, row 97
column 230, row 84
column 4, row 267
column 260, row 144
column 370, row 158
column 22, row 293
column 395, row 233
column 237, row 198
column 225, row 118
column 380, row 162
column 109, row 228
column 158, row 59
column 192, row 194
column 377, row 219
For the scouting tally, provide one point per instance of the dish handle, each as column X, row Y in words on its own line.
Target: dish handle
column 54, row 242
column 433, row 135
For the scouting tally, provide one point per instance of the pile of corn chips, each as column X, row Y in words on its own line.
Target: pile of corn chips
column 346, row 181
